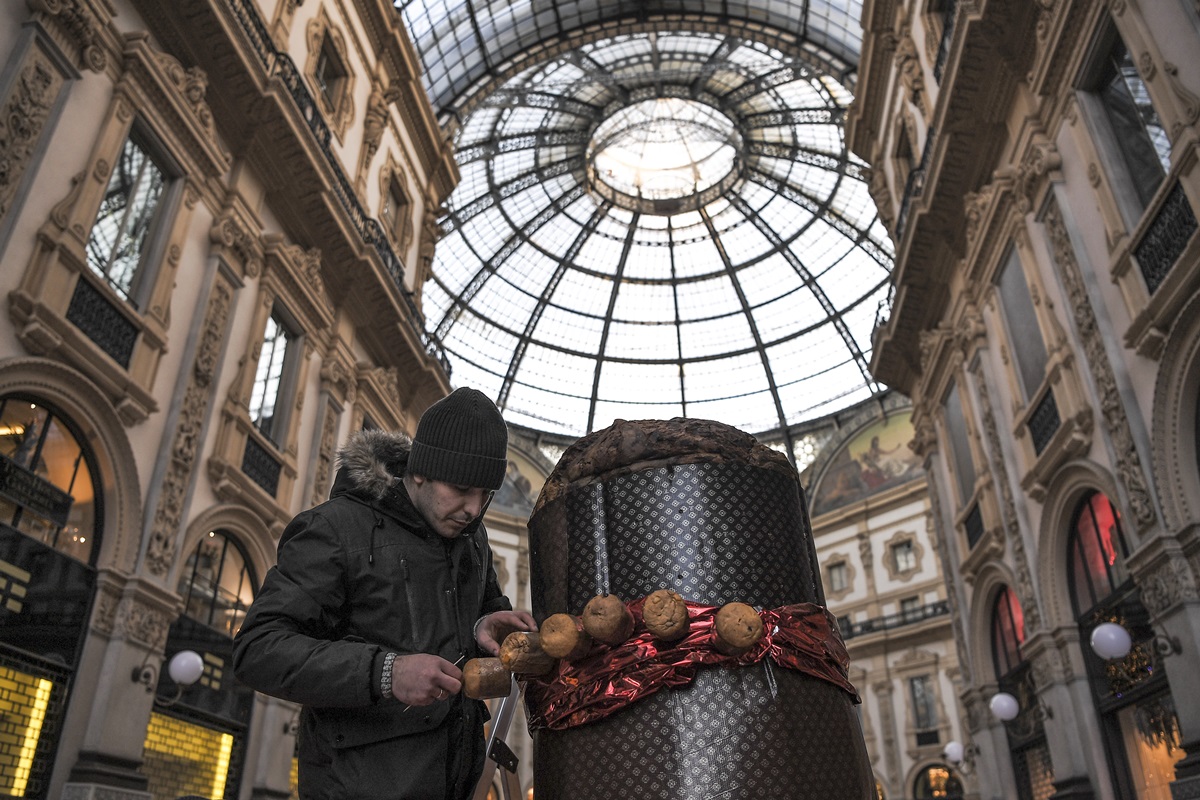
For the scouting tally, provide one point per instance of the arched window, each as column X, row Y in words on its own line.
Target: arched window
column 1139, row 726
column 937, row 781
column 218, row 583
column 1097, row 550
column 48, row 478
column 1008, row 632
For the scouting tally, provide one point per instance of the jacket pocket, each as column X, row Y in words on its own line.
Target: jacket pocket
column 353, row 727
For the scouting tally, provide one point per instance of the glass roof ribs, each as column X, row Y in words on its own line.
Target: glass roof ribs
column 519, row 353
column 660, row 223
column 469, row 43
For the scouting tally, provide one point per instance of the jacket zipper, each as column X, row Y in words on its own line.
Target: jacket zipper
column 452, row 595
column 408, row 593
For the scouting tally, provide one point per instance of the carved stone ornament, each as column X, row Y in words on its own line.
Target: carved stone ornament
column 160, row 553
column 104, row 615
column 1012, row 529
column 77, row 23
column 1170, row 582
column 970, row 330
column 924, row 438
column 232, row 233
column 142, row 624
column 864, row 551
column 908, row 65
column 22, row 117
column 1129, row 464
column 1041, row 159
column 948, row 575
column 974, row 206
column 192, row 86
column 1189, row 102
column 325, row 455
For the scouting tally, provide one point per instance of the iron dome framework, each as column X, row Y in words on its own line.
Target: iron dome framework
column 658, row 216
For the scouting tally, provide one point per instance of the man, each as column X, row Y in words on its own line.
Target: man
column 379, row 596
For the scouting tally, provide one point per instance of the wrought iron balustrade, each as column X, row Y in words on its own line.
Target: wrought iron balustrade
column 280, row 65
column 1166, row 238
column 892, row 621
column 1044, row 422
column 101, row 321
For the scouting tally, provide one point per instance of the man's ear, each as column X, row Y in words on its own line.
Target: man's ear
column 418, row 480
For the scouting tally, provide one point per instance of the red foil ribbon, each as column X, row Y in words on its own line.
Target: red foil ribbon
column 801, row 637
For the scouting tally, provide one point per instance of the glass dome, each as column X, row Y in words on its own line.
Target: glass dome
column 659, row 224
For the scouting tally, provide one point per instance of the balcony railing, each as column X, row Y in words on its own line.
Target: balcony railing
column 909, row 617
column 281, row 65
column 914, row 185
column 939, row 65
column 1166, row 238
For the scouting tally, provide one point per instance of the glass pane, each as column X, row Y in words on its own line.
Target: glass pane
column 1023, row 329
column 1153, row 745
column 118, row 237
column 182, row 758
column 268, row 376
column 956, row 427
column 1008, row 632
column 46, row 486
column 23, row 706
column 217, row 583
column 1136, row 126
column 924, row 711
column 678, row 214
column 937, row 783
column 1098, row 552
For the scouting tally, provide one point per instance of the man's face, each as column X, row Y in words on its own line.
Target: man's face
column 446, row 508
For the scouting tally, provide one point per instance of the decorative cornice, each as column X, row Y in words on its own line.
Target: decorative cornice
column 79, row 24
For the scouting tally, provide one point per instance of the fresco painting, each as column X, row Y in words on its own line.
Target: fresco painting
column 873, row 460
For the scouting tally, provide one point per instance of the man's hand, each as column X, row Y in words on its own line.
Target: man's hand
column 492, row 629
column 422, row 679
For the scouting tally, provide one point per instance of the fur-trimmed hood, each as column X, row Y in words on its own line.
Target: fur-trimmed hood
column 371, row 462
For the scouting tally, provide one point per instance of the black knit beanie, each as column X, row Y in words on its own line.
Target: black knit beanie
column 461, row 440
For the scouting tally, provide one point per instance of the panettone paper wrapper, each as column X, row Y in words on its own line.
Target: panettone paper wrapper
column 715, row 533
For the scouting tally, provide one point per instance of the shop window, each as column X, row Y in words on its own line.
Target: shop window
column 120, row 246
column 47, row 479
column 218, row 583
column 276, row 363
column 1008, row 632
column 904, row 557
column 937, row 782
column 185, row 758
column 1132, row 695
column 1098, row 552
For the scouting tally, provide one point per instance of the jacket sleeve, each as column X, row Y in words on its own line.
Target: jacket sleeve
column 289, row 644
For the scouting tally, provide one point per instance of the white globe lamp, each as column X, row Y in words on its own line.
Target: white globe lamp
column 1004, row 706
column 953, row 751
column 1110, row 640
column 185, row 667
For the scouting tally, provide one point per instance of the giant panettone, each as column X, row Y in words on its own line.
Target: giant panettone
column 706, row 511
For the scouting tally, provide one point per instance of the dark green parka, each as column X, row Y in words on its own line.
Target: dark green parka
column 358, row 576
